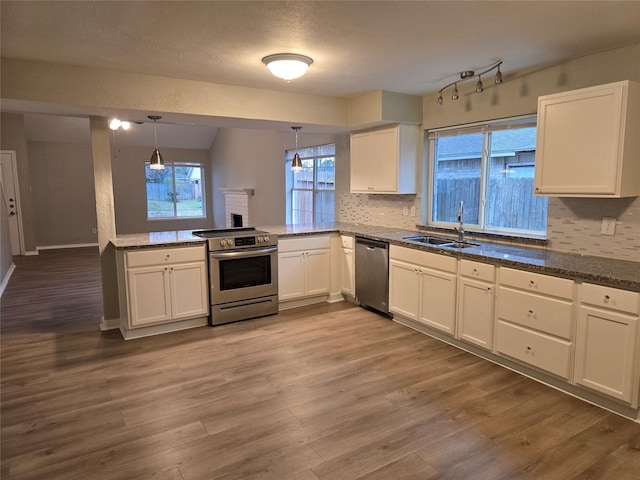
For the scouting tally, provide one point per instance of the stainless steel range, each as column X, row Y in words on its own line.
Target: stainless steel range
column 243, row 273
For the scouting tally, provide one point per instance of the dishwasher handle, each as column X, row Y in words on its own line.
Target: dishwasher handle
column 367, row 242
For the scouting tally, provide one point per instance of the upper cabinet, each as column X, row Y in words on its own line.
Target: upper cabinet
column 588, row 143
column 385, row 161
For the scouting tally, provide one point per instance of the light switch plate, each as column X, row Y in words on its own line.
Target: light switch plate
column 608, row 226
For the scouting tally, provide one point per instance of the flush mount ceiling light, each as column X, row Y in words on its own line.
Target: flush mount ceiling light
column 156, row 162
column 468, row 75
column 287, row 66
column 296, row 164
column 115, row 124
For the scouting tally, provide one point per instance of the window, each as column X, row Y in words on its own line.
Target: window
column 175, row 192
column 311, row 192
column 490, row 169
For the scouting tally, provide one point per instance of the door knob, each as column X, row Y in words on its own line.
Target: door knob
column 12, row 213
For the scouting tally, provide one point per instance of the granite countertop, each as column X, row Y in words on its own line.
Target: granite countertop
column 600, row 270
column 622, row 274
column 156, row 239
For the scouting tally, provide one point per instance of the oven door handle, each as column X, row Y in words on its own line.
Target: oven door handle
column 243, row 253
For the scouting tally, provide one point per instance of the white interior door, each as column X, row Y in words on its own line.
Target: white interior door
column 10, row 197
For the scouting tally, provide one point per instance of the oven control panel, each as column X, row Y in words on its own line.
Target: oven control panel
column 247, row 242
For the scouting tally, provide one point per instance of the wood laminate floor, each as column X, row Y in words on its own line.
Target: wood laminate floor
column 326, row 392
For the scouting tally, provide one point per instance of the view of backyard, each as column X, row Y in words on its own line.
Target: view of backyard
column 175, row 191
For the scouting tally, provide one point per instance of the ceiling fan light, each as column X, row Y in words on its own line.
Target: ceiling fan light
column 115, row 124
column 125, row 125
column 287, row 66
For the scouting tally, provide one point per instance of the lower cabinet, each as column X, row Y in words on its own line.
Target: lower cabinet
column 422, row 287
column 476, row 297
column 347, row 266
column 164, row 285
column 535, row 320
column 304, row 267
column 607, row 342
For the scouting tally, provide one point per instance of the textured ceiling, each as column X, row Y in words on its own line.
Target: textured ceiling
column 357, row 46
column 411, row 47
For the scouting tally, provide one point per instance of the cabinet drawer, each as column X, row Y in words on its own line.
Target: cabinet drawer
column 305, row 242
column 536, row 349
column 477, row 270
column 545, row 314
column 424, row 259
column 610, row 298
column 159, row 256
column 537, row 283
column 347, row 241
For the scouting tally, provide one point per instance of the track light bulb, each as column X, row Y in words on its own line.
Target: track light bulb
column 455, row 92
column 479, row 87
column 440, row 100
column 498, row 76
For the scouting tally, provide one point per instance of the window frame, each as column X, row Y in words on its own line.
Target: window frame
column 524, row 121
column 173, row 165
column 289, row 182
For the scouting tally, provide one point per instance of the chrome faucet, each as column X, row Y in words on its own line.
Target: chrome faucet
column 460, row 228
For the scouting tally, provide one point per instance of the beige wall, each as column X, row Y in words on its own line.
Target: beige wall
column 130, row 195
column 12, row 137
column 245, row 158
column 64, row 209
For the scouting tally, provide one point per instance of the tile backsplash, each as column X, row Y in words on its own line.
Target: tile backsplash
column 573, row 224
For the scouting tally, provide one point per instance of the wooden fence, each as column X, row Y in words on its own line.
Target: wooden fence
column 511, row 203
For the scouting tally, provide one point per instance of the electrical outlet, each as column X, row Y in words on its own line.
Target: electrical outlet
column 413, row 211
column 94, row 230
column 608, row 226
column 405, row 210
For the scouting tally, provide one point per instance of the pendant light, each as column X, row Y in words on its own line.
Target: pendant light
column 296, row 164
column 156, row 162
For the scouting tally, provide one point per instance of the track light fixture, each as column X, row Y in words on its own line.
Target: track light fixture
column 467, row 75
column 296, row 164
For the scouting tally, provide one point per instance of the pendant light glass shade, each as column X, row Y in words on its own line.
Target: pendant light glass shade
column 156, row 162
column 296, row 164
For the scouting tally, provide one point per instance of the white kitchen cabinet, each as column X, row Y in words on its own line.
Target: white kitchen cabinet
column 607, row 342
column 588, row 143
column 476, row 296
column 385, row 161
column 422, row 287
column 304, row 267
column 347, row 266
column 535, row 320
column 165, row 285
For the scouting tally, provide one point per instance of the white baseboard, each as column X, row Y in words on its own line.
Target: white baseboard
column 71, row 245
column 5, row 280
column 110, row 324
column 31, row 252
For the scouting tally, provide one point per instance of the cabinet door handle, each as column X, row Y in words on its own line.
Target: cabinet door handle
column 530, row 313
column 607, row 298
column 532, row 283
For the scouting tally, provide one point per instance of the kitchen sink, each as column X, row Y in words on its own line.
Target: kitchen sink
column 460, row 245
column 429, row 240
column 440, row 242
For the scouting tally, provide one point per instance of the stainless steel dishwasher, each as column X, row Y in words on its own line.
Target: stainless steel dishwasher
column 372, row 274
